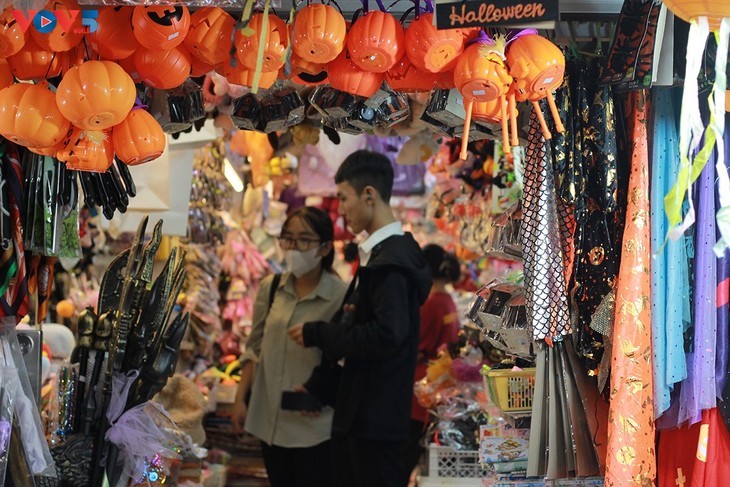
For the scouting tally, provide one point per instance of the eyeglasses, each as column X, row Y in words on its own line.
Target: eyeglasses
column 301, row 244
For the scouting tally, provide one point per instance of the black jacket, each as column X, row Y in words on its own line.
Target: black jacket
column 379, row 343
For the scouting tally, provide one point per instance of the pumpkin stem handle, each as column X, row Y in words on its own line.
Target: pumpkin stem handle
column 513, row 118
column 556, row 115
column 541, row 119
column 467, row 129
column 505, row 131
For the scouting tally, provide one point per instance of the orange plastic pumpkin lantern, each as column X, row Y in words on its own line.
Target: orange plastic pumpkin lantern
column 319, row 33
column 128, row 66
column 488, row 111
column 538, row 67
column 276, row 42
column 445, row 81
column 199, row 67
column 87, row 151
column 163, row 69
column 138, row 139
column 307, row 73
column 29, row 116
column 430, row 49
column 47, row 151
column 60, row 39
column 161, row 26
column 345, row 76
column 376, row 42
column 114, row 38
column 687, row 10
column 96, row 95
column 12, row 37
column 239, row 75
column 481, row 76
column 404, row 76
column 34, row 63
column 6, row 76
column 209, row 37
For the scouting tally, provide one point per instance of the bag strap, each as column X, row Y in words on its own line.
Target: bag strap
column 272, row 291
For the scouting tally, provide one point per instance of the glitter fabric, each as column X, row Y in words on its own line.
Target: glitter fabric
column 631, row 435
column 545, row 289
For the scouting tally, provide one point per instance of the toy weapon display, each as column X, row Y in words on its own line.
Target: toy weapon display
column 134, row 334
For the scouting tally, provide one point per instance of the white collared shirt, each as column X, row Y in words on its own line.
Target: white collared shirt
column 366, row 247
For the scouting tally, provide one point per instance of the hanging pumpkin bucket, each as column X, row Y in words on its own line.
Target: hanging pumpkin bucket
column 239, row 75
column 163, row 69
column 481, row 76
column 138, row 139
column 275, row 43
column 12, row 37
column 59, row 39
column 96, row 95
column 30, row 117
column 200, row 68
column 210, row 36
column 32, row 63
column 431, row 49
column 307, row 73
column 319, row 33
column 114, row 38
column 345, row 76
column 376, row 41
column 89, row 151
column 127, row 64
column 161, row 26
column 538, row 67
column 406, row 77
column 6, row 76
column 688, row 10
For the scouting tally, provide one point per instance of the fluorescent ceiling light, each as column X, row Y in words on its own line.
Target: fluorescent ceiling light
column 232, row 176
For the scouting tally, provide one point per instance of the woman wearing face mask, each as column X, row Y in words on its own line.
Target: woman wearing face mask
column 294, row 443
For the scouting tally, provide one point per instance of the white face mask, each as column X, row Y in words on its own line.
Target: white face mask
column 299, row 263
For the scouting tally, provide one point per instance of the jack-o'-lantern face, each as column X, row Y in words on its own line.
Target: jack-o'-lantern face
column 161, row 26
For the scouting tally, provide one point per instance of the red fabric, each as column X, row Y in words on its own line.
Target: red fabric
column 711, row 466
column 696, row 456
column 439, row 325
column 675, row 460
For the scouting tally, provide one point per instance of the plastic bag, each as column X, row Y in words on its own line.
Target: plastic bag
column 504, row 239
column 8, row 385
column 143, row 436
column 26, row 410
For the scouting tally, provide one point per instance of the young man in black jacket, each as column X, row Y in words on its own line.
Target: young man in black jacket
column 378, row 336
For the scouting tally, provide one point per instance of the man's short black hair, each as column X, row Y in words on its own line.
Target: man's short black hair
column 365, row 168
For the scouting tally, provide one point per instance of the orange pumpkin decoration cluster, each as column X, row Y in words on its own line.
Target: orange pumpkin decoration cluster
column 85, row 122
column 493, row 76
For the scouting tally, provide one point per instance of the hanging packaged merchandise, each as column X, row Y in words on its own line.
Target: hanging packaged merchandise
column 52, row 214
column 32, row 446
column 630, row 59
column 281, row 109
column 246, row 113
column 332, row 103
column 504, row 239
column 8, row 386
column 447, row 107
column 176, row 109
column 393, row 108
column 343, row 125
column 485, row 309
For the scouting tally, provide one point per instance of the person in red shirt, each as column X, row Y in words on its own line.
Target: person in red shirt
column 439, row 326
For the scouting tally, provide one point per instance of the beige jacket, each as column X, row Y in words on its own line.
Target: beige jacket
column 283, row 365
